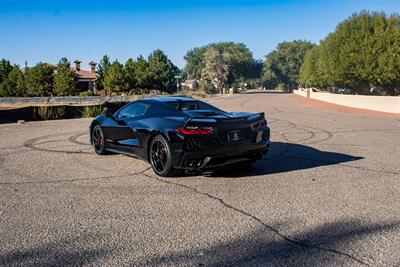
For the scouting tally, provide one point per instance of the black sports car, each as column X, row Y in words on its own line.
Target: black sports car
column 180, row 133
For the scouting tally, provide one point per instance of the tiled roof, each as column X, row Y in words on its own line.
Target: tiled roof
column 84, row 74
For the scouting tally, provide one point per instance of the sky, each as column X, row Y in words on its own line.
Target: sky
column 44, row 31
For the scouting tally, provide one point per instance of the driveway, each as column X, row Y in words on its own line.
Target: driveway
column 328, row 193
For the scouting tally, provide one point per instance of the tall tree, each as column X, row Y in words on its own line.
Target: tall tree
column 14, row 84
column 216, row 68
column 5, row 69
column 142, row 73
column 114, row 78
column 283, row 64
column 241, row 63
column 39, row 80
column 194, row 62
column 64, row 78
column 102, row 68
column 161, row 71
column 130, row 73
column 362, row 54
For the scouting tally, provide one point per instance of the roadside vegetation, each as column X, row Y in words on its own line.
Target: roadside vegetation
column 282, row 66
column 223, row 65
column 362, row 54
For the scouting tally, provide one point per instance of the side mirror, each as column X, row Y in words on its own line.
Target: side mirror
column 109, row 113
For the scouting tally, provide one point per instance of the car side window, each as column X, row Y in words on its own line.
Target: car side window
column 133, row 110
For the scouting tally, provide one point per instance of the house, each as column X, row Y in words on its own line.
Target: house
column 190, row 84
column 86, row 79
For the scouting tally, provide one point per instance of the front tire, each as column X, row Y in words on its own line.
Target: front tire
column 161, row 157
column 98, row 140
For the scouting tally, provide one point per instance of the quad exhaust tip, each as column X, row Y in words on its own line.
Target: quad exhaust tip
column 197, row 164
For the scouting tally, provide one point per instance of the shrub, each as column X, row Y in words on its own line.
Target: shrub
column 85, row 93
column 50, row 112
column 207, row 87
column 199, row 94
column 281, row 87
column 92, row 111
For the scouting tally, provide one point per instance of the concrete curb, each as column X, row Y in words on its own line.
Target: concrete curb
column 389, row 104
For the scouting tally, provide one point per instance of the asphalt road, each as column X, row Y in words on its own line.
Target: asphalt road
column 328, row 193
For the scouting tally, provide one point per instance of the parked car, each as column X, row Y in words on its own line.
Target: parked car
column 179, row 133
column 343, row 91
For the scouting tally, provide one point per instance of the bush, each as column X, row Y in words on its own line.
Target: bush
column 199, row 94
column 133, row 92
column 207, row 87
column 281, row 87
column 85, row 93
column 49, row 112
column 92, row 111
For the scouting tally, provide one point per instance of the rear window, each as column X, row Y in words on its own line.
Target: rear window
column 191, row 105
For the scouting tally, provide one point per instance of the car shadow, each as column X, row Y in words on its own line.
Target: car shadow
column 285, row 157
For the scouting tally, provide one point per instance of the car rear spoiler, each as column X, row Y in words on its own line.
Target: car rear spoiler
column 252, row 117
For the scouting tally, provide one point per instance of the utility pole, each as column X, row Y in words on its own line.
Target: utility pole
column 177, row 77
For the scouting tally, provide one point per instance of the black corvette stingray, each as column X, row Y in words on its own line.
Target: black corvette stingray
column 179, row 133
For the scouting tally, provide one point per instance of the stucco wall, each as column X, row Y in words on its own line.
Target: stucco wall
column 379, row 103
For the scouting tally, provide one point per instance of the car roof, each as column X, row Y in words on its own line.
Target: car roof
column 170, row 99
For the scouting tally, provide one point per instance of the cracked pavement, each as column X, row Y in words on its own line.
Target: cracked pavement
column 327, row 194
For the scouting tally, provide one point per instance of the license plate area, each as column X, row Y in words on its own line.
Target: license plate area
column 235, row 135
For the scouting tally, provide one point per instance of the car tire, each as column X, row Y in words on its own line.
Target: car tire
column 160, row 157
column 98, row 140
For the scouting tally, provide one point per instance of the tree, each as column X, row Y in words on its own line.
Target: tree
column 64, row 78
column 102, row 68
column 161, row 71
column 362, row 53
column 141, row 73
column 194, row 62
column 130, row 73
column 39, row 80
column 114, row 78
column 241, row 63
column 5, row 69
column 14, row 84
column 216, row 68
column 282, row 66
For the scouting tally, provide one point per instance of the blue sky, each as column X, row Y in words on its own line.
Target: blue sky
column 86, row 30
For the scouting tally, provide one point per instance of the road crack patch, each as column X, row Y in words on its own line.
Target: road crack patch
column 258, row 220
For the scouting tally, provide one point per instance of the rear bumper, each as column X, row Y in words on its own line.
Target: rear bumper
column 226, row 155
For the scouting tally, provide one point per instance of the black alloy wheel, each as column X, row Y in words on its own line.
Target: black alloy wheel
column 160, row 157
column 98, row 141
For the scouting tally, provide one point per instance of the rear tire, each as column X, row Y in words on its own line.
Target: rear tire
column 160, row 157
column 98, row 140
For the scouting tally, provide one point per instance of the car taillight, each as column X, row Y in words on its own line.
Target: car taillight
column 196, row 130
